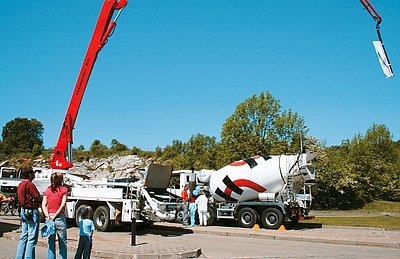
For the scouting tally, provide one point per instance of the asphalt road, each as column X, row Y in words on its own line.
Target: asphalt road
column 212, row 246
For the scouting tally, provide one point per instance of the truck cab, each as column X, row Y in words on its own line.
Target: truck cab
column 9, row 180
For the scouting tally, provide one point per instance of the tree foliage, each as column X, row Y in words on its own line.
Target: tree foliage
column 117, row 146
column 97, row 148
column 200, row 152
column 197, row 153
column 359, row 170
column 22, row 135
column 259, row 127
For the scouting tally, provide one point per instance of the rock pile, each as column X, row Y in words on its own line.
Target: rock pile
column 113, row 167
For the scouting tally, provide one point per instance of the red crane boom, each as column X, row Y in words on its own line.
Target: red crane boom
column 372, row 11
column 104, row 28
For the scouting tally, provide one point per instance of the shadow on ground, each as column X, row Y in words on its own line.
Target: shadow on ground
column 7, row 227
column 144, row 229
column 305, row 226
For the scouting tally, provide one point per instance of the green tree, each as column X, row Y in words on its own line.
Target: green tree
column 21, row 135
column 338, row 184
column 197, row 153
column 174, row 154
column 259, row 127
column 37, row 150
column 97, row 148
column 359, row 170
column 116, row 146
column 2, row 154
column 135, row 150
column 158, row 152
column 375, row 162
column 200, row 151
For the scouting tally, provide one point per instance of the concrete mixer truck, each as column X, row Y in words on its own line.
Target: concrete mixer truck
column 267, row 190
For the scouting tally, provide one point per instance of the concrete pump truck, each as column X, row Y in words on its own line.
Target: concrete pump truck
column 113, row 203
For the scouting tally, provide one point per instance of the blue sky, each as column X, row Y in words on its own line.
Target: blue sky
column 176, row 68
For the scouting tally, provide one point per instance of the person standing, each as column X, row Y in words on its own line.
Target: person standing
column 54, row 200
column 29, row 200
column 86, row 229
column 202, row 203
column 192, row 210
column 185, row 199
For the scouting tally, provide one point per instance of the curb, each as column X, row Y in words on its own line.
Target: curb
column 300, row 238
column 187, row 253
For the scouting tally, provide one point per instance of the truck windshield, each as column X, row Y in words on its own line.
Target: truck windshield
column 9, row 173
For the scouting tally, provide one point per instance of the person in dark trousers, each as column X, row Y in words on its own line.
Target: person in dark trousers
column 86, row 229
column 29, row 202
column 185, row 199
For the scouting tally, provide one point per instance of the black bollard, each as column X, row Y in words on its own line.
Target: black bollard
column 133, row 232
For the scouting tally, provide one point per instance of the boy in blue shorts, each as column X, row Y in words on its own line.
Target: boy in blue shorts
column 86, row 228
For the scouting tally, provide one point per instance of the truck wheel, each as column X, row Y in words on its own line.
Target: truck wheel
column 179, row 216
column 14, row 211
column 272, row 218
column 247, row 217
column 210, row 216
column 101, row 218
column 3, row 209
column 78, row 213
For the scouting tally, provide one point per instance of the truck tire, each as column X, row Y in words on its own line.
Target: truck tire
column 247, row 217
column 211, row 214
column 78, row 213
column 14, row 212
column 179, row 216
column 3, row 210
column 272, row 218
column 101, row 218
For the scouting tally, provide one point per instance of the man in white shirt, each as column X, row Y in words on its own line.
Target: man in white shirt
column 201, row 203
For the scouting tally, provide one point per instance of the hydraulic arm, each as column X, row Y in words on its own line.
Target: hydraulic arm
column 104, row 29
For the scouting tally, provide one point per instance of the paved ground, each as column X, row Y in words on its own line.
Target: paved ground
column 166, row 240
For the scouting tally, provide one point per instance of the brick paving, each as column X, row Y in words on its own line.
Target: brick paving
column 151, row 243
column 335, row 235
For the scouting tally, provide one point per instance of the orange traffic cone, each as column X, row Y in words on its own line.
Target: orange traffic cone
column 282, row 228
column 256, row 226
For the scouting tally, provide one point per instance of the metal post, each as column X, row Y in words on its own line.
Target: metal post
column 301, row 141
column 69, row 151
column 133, row 231
column 301, row 138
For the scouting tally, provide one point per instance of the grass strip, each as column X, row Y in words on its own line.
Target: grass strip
column 390, row 222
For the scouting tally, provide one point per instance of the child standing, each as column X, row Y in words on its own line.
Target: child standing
column 192, row 210
column 86, row 228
